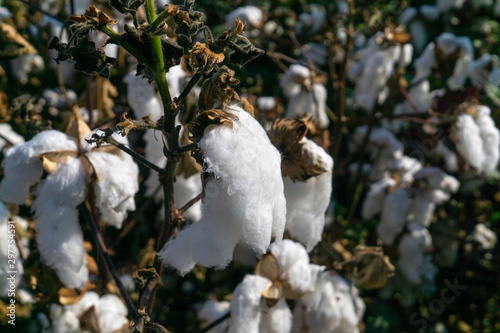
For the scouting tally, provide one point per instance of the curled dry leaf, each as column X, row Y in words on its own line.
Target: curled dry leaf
column 369, row 268
column 287, row 135
column 208, row 118
column 218, row 87
column 93, row 16
column 202, row 59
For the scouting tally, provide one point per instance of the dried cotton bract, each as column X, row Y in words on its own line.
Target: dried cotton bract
column 243, row 198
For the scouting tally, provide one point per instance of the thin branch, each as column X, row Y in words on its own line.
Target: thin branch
column 135, row 155
column 277, row 55
column 190, row 203
column 186, row 148
column 215, row 323
column 196, row 77
column 85, row 211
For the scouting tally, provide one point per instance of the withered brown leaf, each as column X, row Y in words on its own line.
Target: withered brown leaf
column 202, row 59
column 218, row 87
column 205, row 119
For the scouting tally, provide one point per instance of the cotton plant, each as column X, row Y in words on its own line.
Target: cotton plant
column 307, row 177
column 374, row 66
column 384, row 148
column 477, row 139
column 483, row 236
column 106, row 314
column 8, row 136
column 305, row 95
column 71, row 166
column 243, row 195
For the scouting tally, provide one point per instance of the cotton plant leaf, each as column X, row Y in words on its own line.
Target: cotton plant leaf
column 206, row 119
column 218, row 87
column 202, row 59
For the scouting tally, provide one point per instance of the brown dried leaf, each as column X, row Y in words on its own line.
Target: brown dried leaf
column 218, row 87
column 97, row 16
column 89, row 321
column 245, row 105
column 204, row 120
column 51, row 160
column 202, row 59
column 12, row 43
column 76, row 126
column 369, row 268
column 268, row 267
column 92, row 265
column 239, row 26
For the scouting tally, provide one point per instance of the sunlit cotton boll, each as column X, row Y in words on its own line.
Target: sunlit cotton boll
column 244, row 201
column 375, row 198
column 307, row 201
column 468, row 139
column 303, row 95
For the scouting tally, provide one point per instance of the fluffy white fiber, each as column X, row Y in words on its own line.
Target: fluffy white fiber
column 250, row 15
column 277, row 319
column 211, row 311
column 394, row 215
column 490, row 136
column 301, row 101
column 470, row 143
column 245, row 305
column 22, row 168
column 244, row 202
column 411, row 250
column 484, row 236
column 7, row 133
column 5, row 246
column 375, row 198
column 59, row 236
column 307, row 201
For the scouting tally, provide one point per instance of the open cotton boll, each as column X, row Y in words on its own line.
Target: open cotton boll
column 484, row 236
column 277, row 319
column 154, row 154
column 407, row 167
column 22, row 168
column 447, row 5
column 211, row 311
column 116, row 185
column 59, row 236
column 449, row 157
column 112, row 313
column 423, row 64
column 411, row 250
column 375, row 198
column 63, row 321
column 8, row 248
column 422, row 209
column 89, row 299
column 293, row 264
column 244, row 201
column 490, row 136
column 435, row 178
column 289, row 83
column 469, row 143
column 141, row 97
column 250, row 15
column 307, row 201
column 351, row 305
column 245, row 305
column 480, row 70
column 7, row 133
column 394, row 215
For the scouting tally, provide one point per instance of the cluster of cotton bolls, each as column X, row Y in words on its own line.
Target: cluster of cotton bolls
column 70, row 163
column 325, row 302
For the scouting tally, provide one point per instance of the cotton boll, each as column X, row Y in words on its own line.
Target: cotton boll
column 394, row 215
column 89, row 299
column 7, row 133
column 141, row 97
column 64, row 321
column 26, row 64
column 154, row 154
column 250, row 15
column 210, row 311
column 447, row 5
column 175, row 79
column 422, row 209
column 186, row 189
column 116, row 185
column 315, row 52
column 408, row 14
column 22, row 167
column 245, row 305
column 244, row 202
column 351, row 305
column 406, row 55
column 461, row 70
column 277, row 319
column 490, row 136
column 7, row 248
column 423, row 64
column 4, row 13
column 469, row 142
column 418, row 34
column 375, row 198
column 422, row 96
column 307, row 201
column 448, row 156
column 480, row 70
column 407, row 167
column 288, row 81
column 435, row 178
column 112, row 313
column 61, row 244
column 484, row 236
column 411, row 251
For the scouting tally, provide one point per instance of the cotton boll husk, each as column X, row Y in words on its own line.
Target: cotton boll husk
column 277, row 319
column 423, row 64
column 112, row 313
column 491, row 138
column 245, row 305
column 186, row 189
column 484, row 236
column 5, row 246
column 244, row 203
column 250, row 15
column 293, row 263
column 210, row 311
column 469, row 142
column 448, row 156
column 411, row 251
column 7, row 133
column 116, row 185
column 22, row 167
column 141, row 97
column 59, row 236
column 375, row 198
column 394, row 215
column 307, row 201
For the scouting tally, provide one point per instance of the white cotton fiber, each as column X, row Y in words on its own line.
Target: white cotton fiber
column 175, row 79
column 293, row 264
column 490, row 136
column 484, row 236
column 277, row 319
column 22, row 168
column 394, row 215
column 375, row 198
column 407, row 167
column 211, row 311
column 245, row 305
column 7, row 133
column 449, row 157
column 423, row 64
column 250, row 15
column 307, row 201
column 141, row 97
column 411, row 250
column 112, row 313
column 422, row 209
column 243, row 203
column 469, row 142
column 186, row 189
column 7, row 244
column 64, row 321
column 351, row 305
column 154, row 154
column 59, row 236
column 116, row 185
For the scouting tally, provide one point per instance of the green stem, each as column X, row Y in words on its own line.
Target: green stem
column 160, row 19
